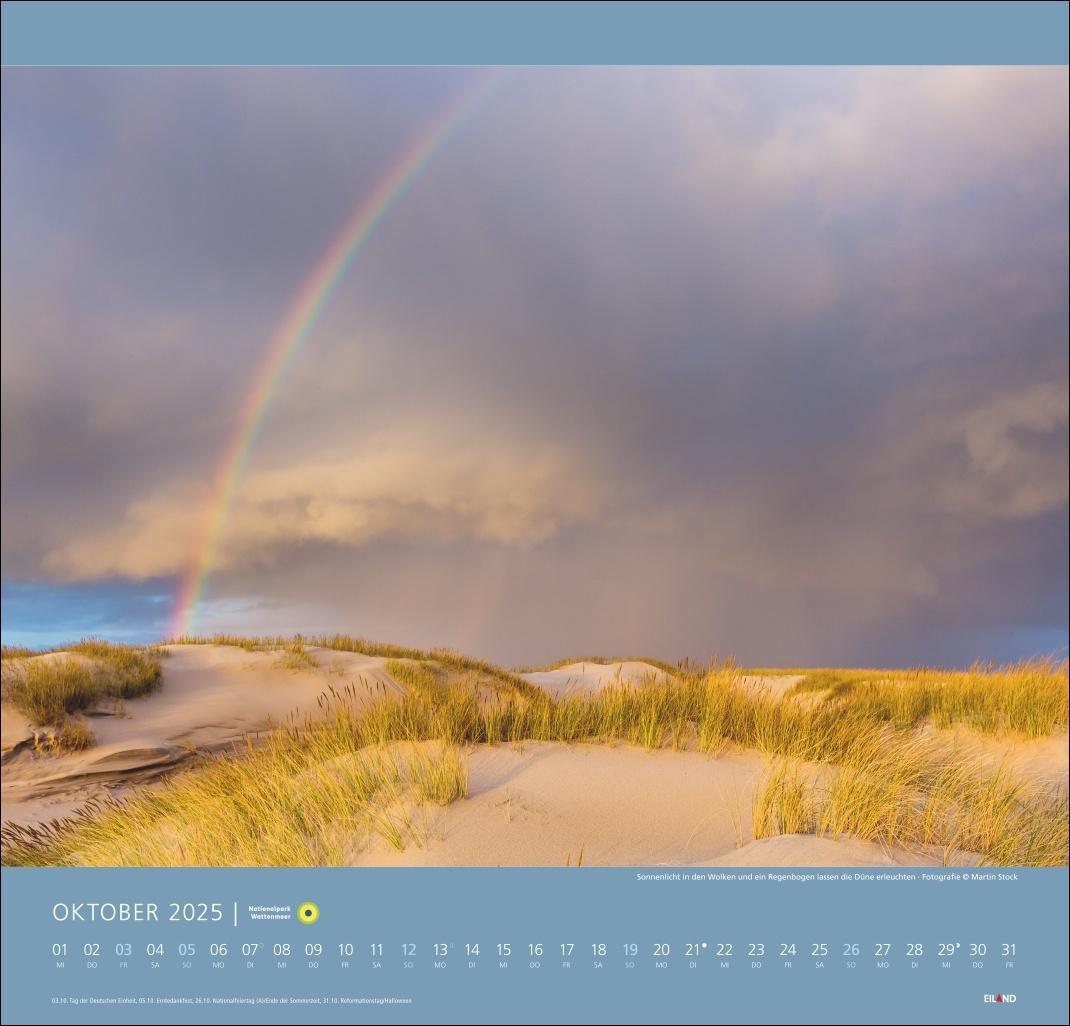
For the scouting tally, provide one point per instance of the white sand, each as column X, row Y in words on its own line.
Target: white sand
column 590, row 678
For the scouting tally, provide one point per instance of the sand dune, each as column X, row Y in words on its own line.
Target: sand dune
column 773, row 685
column 586, row 678
column 590, row 678
column 553, row 804
column 545, row 804
column 210, row 696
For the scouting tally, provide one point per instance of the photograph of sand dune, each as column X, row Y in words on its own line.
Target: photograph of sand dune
column 345, row 408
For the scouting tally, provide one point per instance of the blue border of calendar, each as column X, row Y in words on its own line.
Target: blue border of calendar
column 49, row 32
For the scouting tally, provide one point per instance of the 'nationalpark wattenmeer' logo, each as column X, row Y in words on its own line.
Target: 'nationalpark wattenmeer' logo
column 308, row 912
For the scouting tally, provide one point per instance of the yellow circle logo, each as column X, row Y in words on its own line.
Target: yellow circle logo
column 309, row 912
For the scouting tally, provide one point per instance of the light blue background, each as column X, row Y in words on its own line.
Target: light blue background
column 551, row 906
column 535, row 33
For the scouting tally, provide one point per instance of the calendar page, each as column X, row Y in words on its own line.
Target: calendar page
column 534, row 513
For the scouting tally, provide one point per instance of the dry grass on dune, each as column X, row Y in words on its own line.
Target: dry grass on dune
column 287, row 802
column 905, row 795
column 50, row 691
column 306, row 795
column 295, row 656
column 1028, row 698
column 18, row 652
column 443, row 657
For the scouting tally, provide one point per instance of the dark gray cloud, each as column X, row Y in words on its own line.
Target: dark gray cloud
column 769, row 362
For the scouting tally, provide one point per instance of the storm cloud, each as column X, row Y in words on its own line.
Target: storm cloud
column 762, row 362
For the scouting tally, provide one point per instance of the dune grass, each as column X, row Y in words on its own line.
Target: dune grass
column 295, row 656
column 298, row 799
column 294, row 799
column 906, row 795
column 439, row 777
column 442, row 657
column 418, row 676
column 74, row 735
column 784, row 802
column 48, row 690
column 1028, row 698
column 17, row 652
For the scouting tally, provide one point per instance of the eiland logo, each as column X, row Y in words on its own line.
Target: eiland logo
column 1000, row 999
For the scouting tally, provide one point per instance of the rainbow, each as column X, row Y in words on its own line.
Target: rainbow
column 300, row 317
